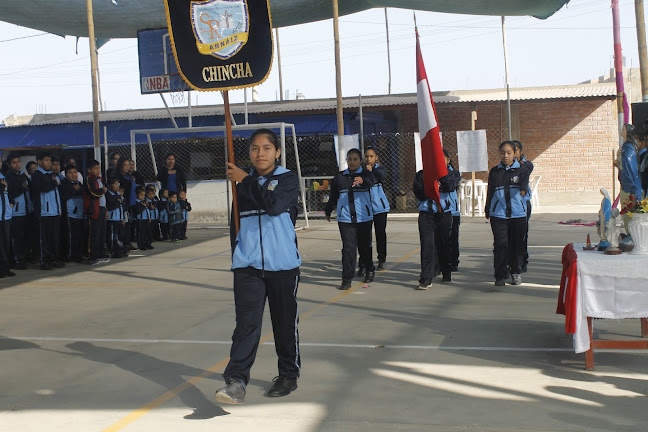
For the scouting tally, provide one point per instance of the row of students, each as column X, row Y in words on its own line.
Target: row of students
column 52, row 217
column 358, row 196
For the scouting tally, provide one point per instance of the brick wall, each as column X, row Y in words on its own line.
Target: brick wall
column 569, row 141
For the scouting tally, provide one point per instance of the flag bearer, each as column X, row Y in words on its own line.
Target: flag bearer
column 265, row 262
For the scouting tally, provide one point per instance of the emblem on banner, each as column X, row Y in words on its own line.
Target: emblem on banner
column 221, row 27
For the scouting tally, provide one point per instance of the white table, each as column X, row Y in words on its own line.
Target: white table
column 609, row 287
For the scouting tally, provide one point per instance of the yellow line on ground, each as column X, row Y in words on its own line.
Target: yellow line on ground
column 145, row 409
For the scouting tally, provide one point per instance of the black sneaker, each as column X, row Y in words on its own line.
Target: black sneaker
column 516, row 279
column 381, row 265
column 447, row 277
column 424, row 284
column 232, row 393
column 454, row 269
column 93, row 262
column 500, row 282
column 345, row 285
column 369, row 277
column 282, row 386
column 361, row 271
column 524, row 268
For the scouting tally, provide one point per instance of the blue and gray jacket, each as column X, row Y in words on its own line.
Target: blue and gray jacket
column 353, row 200
column 266, row 241
column 141, row 211
column 629, row 171
column 153, row 209
column 529, row 166
column 452, row 195
column 72, row 199
column 114, row 206
column 18, row 188
column 447, row 185
column 504, row 200
column 379, row 201
column 6, row 210
column 174, row 213
column 45, row 194
column 162, row 208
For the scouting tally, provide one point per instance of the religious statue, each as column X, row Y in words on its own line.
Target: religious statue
column 613, row 234
column 604, row 216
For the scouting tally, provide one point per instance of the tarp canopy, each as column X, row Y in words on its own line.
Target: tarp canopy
column 123, row 18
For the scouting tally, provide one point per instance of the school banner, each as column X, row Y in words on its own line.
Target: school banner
column 221, row 44
column 342, row 147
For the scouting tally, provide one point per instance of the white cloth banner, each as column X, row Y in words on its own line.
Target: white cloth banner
column 472, row 149
column 609, row 286
column 341, row 148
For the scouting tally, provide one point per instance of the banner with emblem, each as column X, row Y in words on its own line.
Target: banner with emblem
column 221, row 44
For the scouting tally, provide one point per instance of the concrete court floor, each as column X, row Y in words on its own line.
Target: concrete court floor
column 139, row 345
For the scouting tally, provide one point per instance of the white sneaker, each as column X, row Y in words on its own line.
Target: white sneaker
column 424, row 284
column 104, row 260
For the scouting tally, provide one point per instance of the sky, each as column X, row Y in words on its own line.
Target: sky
column 42, row 73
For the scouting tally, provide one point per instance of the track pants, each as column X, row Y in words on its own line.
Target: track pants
column 5, row 246
column 508, row 241
column 454, row 241
column 250, row 293
column 380, row 228
column 76, row 228
column 19, row 238
column 526, row 236
column 98, row 235
column 434, row 234
column 143, row 233
column 356, row 237
column 50, row 229
column 115, row 236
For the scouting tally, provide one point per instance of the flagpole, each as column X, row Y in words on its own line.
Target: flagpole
column 508, row 86
column 93, row 73
column 231, row 158
column 388, row 53
column 338, row 69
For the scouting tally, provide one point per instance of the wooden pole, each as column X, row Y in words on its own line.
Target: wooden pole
column 508, row 86
column 388, row 53
column 338, row 70
column 231, row 158
column 641, row 42
column 613, row 179
column 95, row 91
column 473, row 124
column 279, row 65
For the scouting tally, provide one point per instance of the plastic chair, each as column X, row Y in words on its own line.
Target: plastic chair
column 461, row 195
column 535, row 198
column 480, row 197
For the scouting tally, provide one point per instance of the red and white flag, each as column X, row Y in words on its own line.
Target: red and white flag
column 434, row 166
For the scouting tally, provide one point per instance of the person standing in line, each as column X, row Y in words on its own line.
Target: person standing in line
column 350, row 193
column 186, row 208
column 265, row 262
column 47, row 207
column 112, row 169
column 73, row 215
column 164, row 214
column 529, row 166
column 129, row 184
column 379, row 203
column 174, row 214
column 171, row 176
column 18, row 188
column 115, row 224
column 94, row 203
column 5, row 230
column 143, row 218
column 506, row 209
column 456, row 217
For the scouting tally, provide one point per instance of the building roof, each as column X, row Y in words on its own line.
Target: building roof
column 598, row 90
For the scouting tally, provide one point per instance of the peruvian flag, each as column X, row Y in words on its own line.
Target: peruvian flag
column 434, row 166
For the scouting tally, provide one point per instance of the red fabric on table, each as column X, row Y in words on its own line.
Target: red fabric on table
column 568, row 287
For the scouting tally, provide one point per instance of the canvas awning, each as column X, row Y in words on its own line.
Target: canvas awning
column 122, row 19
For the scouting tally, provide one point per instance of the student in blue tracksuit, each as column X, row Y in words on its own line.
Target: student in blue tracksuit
column 164, row 215
column 152, row 200
column 174, row 215
column 506, row 209
column 18, row 188
column 350, row 193
column 529, row 166
column 265, row 262
column 72, row 204
column 379, row 203
column 456, row 217
column 186, row 208
column 47, row 208
column 115, row 210
column 143, row 220
column 5, row 230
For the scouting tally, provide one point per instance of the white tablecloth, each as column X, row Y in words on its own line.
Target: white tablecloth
column 609, row 286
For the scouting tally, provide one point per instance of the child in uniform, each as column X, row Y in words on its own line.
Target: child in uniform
column 174, row 212
column 115, row 209
column 350, row 192
column 5, row 230
column 164, row 216
column 186, row 208
column 155, row 213
column 506, row 209
column 529, row 166
column 456, row 218
column 72, row 199
column 18, row 188
column 379, row 203
column 143, row 217
column 94, row 201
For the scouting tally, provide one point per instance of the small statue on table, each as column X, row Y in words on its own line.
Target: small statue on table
column 588, row 246
column 613, row 235
column 604, row 216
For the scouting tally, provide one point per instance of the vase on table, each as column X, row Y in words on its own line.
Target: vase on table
column 638, row 227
